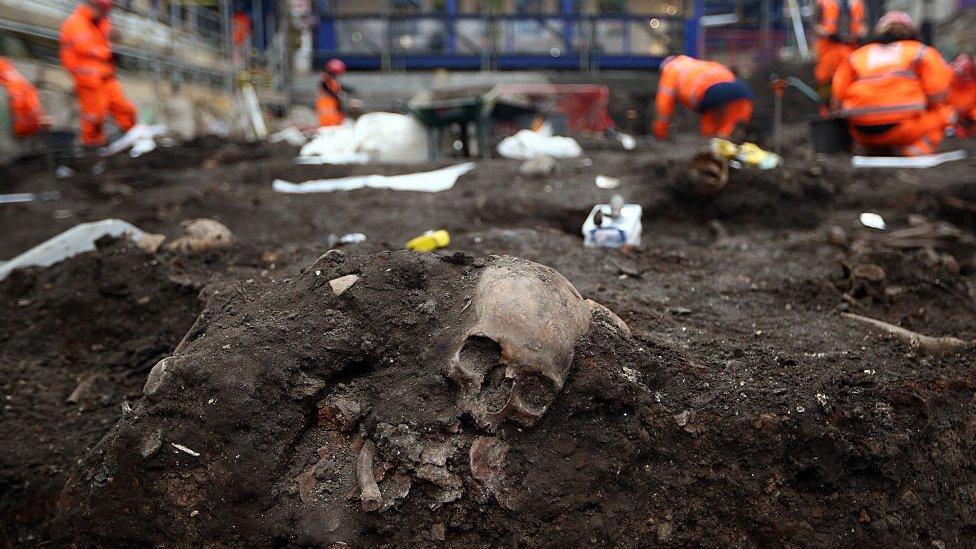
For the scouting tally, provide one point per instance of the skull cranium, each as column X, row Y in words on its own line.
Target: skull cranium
column 513, row 359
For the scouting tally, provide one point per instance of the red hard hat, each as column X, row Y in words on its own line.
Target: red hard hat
column 104, row 5
column 335, row 66
column 896, row 19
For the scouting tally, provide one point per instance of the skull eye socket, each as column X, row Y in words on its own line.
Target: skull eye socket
column 479, row 355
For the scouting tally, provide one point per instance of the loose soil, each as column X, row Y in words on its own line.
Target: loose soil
column 743, row 410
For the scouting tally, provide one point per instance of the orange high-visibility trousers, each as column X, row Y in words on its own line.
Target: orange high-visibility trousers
column 328, row 111
column 98, row 102
column 915, row 136
column 830, row 55
column 724, row 119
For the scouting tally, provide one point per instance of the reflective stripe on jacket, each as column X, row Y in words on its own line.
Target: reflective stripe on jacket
column 884, row 83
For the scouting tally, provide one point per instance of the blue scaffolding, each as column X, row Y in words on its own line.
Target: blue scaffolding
column 523, row 40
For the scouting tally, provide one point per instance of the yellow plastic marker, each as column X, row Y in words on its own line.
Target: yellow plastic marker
column 430, row 241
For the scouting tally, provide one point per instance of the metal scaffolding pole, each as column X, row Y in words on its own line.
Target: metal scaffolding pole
column 227, row 42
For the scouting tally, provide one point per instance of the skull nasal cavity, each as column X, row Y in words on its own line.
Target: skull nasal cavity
column 479, row 355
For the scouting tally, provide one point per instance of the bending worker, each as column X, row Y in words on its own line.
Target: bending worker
column 893, row 91
column 839, row 28
column 25, row 105
column 329, row 103
column 86, row 53
column 709, row 88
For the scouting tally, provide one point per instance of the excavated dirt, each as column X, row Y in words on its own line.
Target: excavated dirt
column 743, row 410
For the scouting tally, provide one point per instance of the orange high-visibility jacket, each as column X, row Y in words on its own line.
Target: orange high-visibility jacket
column 241, row 28
column 844, row 25
column 686, row 79
column 329, row 103
column 887, row 83
column 85, row 48
column 25, row 105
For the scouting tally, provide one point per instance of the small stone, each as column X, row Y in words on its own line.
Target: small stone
column 837, row 236
column 435, row 455
column 151, row 443
column 201, row 235
column 150, row 242
column 156, row 376
column 664, row 532
column 438, row 532
column 682, row 418
column 343, row 283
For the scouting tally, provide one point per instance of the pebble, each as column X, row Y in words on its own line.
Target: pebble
column 664, row 532
column 343, row 283
column 156, row 376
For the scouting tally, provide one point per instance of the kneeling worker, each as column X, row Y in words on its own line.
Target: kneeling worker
column 711, row 89
column 25, row 105
column 893, row 91
column 329, row 103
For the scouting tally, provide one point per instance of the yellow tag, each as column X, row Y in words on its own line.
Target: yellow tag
column 430, row 241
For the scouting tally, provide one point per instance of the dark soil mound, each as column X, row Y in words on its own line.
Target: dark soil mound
column 262, row 427
column 77, row 339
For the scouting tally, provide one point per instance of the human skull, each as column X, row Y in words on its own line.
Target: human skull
column 524, row 321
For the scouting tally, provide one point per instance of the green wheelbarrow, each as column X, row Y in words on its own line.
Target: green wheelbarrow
column 439, row 109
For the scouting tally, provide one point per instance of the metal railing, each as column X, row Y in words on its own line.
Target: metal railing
column 488, row 42
column 187, row 43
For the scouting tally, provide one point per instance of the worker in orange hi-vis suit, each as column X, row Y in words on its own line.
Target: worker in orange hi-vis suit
column 25, row 105
column 711, row 89
column 962, row 95
column 893, row 92
column 329, row 103
column 242, row 27
column 86, row 53
column 839, row 28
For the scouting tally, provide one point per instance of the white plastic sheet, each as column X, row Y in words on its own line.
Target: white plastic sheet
column 78, row 239
column 924, row 161
column 429, row 182
column 528, row 144
column 291, row 135
column 391, row 138
column 333, row 145
column 141, row 139
column 382, row 137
